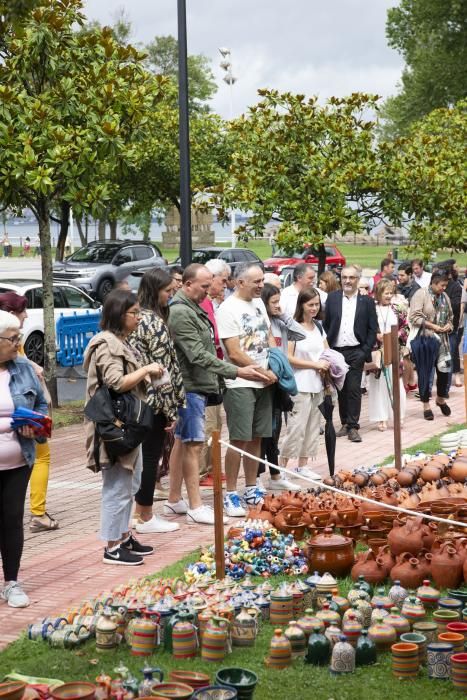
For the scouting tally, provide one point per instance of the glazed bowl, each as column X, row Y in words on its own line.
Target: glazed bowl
column 460, row 595
column 192, row 678
column 216, row 692
column 77, row 690
column 12, row 690
column 172, row 690
column 243, row 680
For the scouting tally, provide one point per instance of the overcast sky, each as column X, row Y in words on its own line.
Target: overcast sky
column 323, row 47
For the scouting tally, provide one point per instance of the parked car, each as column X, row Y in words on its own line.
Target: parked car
column 97, row 266
column 232, row 256
column 334, row 259
column 67, row 301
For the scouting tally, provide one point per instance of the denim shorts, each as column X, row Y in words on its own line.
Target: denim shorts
column 191, row 420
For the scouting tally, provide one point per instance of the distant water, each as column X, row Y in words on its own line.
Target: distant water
column 17, row 232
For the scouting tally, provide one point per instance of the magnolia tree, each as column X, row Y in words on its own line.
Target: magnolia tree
column 74, row 110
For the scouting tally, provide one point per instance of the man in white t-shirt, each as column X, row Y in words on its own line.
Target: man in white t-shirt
column 304, row 276
column 244, row 331
column 420, row 276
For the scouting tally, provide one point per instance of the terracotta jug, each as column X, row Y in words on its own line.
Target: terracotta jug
column 370, row 567
column 386, row 559
column 407, row 570
column 446, row 567
column 407, row 537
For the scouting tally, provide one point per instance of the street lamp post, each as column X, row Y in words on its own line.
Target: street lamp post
column 184, row 136
column 230, row 79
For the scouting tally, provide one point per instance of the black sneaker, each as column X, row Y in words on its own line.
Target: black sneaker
column 122, row 556
column 132, row 545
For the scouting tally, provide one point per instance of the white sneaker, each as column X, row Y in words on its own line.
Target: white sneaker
column 204, row 515
column 282, row 484
column 260, row 487
column 307, row 473
column 233, row 507
column 156, row 524
column 179, row 508
column 15, row 596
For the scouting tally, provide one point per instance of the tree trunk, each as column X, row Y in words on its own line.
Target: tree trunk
column 113, row 229
column 101, row 229
column 146, row 225
column 50, row 364
column 82, row 234
column 321, row 259
column 64, row 224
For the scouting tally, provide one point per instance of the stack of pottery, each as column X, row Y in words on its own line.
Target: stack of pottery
column 280, row 651
column 405, row 660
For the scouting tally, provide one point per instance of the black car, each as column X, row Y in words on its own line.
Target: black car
column 97, row 266
column 232, row 256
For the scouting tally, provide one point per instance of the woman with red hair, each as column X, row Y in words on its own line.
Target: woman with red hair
column 40, row 520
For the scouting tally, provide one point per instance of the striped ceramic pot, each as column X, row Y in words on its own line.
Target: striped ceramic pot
column 443, row 617
column 405, row 660
column 454, row 638
column 280, row 651
column 459, row 671
column 420, row 641
column 214, row 644
column 184, row 640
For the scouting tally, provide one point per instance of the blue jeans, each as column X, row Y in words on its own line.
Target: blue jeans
column 191, row 420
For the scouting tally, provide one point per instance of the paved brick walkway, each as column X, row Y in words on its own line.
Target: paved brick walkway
column 63, row 567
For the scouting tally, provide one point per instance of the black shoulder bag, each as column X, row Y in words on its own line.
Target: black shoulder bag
column 121, row 421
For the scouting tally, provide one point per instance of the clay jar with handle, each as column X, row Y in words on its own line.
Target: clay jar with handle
column 446, row 567
column 406, row 537
column 407, row 570
column 368, row 565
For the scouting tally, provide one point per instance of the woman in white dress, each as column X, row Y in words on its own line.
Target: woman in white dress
column 302, row 438
column 379, row 383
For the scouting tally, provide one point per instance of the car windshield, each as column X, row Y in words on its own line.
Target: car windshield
column 202, row 256
column 94, row 254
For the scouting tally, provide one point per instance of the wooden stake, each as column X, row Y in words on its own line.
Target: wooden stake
column 396, row 396
column 387, row 349
column 218, row 505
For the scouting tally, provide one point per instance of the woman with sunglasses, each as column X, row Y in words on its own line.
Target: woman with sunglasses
column 19, row 387
column 111, row 360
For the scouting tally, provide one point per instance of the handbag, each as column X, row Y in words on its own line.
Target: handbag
column 121, row 421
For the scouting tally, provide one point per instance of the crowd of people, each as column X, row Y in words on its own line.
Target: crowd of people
column 198, row 342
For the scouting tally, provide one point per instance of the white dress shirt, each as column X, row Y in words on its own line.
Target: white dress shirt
column 289, row 297
column 346, row 336
column 424, row 279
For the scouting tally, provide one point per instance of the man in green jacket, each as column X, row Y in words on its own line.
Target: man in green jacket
column 193, row 336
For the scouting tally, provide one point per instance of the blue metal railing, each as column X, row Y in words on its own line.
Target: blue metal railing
column 73, row 335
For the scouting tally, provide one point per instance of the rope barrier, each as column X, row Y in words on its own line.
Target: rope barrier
column 348, row 494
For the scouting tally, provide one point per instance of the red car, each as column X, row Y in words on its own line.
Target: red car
column 334, row 259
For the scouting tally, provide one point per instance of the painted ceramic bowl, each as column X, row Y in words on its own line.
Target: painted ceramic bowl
column 78, row 690
column 172, row 690
column 215, row 692
column 193, row 678
column 12, row 690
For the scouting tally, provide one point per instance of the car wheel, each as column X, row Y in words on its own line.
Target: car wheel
column 34, row 348
column 105, row 287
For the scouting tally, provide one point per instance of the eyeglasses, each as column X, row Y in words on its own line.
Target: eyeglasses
column 14, row 339
column 135, row 314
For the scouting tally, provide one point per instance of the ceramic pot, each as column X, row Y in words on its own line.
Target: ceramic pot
column 398, row 621
column 413, row 609
column 343, row 657
column 405, row 660
column 182, row 691
column 214, row 644
column 215, row 692
column 318, row 649
column 443, row 617
column 328, row 616
column 242, row 679
column 448, row 603
column 438, row 655
column 397, row 594
column 420, row 640
column 281, row 609
column 351, row 629
column 446, row 567
column 244, row 630
column 280, row 651
column 406, row 537
column 331, row 553
column 365, row 650
column 106, row 632
column 184, row 640
column 407, row 571
column 459, row 627
column 308, row 622
column 76, row 690
column 297, row 639
column 193, row 678
column 384, row 636
column 367, row 565
column 454, row 638
column 428, row 629
column 459, row 671
column 145, row 635
column 428, row 595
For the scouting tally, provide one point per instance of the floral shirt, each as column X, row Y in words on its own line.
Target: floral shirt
column 153, row 342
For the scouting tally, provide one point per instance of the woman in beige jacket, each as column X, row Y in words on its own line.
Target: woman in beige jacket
column 432, row 307
column 119, row 368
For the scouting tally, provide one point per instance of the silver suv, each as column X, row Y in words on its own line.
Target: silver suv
column 99, row 265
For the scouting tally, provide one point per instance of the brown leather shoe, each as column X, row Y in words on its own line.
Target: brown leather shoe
column 343, row 432
column 354, row 435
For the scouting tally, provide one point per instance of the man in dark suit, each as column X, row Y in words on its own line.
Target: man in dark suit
column 351, row 325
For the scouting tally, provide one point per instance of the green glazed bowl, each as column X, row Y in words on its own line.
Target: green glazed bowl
column 243, row 680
